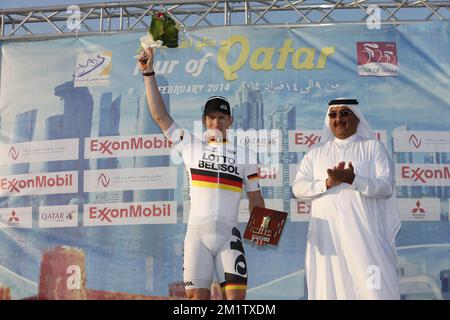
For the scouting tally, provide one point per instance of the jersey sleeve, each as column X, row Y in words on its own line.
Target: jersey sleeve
column 251, row 178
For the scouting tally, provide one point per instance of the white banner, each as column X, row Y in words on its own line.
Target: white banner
column 130, row 179
column 132, row 213
column 421, row 141
column 300, row 210
column 425, row 175
column 44, row 183
column 304, row 140
column 39, row 151
column 58, row 216
column 16, row 217
column 260, row 141
column 129, row 146
column 271, row 176
column 423, row 209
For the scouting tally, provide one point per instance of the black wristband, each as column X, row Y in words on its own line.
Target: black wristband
column 148, row 74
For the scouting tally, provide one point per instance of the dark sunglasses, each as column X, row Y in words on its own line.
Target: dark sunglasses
column 342, row 114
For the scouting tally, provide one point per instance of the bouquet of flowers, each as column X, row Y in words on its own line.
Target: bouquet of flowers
column 163, row 31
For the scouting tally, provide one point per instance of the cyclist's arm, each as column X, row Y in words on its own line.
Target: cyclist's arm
column 155, row 102
column 255, row 199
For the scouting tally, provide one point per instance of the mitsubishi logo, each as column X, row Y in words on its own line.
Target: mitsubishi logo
column 418, row 208
column 13, row 217
column 13, row 153
column 415, row 141
column 104, row 180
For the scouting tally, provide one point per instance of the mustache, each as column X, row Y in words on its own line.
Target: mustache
column 339, row 123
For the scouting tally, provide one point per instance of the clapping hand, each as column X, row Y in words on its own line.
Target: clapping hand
column 339, row 174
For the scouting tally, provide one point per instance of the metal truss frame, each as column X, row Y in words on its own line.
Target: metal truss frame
column 135, row 16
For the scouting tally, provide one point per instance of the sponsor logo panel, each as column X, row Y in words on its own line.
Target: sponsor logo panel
column 38, row 151
column 58, row 216
column 304, row 140
column 377, row 59
column 16, row 217
column 132, row 213
column 130, row 179
column 421, row 141
column 142, row 145
column 423, row 209
column 409, row 174
column 44, row 183
column 300, row 210
column 271, row 176
column 93, row 69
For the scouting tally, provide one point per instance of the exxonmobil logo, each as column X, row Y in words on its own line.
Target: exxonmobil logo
column 111, row 147
column 19, row 185
column 307, row 139
column 269, row 173
column 424, row 175
column 303, row 208
column 109, row 214
column 13, row 153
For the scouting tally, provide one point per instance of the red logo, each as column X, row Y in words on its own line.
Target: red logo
column 13, row 153
column 308, row 140
column 13, row 217
column 415, row 141
column 104, row 180
column 303, row 207
column 418, row 211
column 376, row 52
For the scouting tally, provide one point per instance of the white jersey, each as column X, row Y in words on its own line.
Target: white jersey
column 217, row 173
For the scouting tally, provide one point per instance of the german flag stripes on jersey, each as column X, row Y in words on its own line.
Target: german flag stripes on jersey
column 211, row 179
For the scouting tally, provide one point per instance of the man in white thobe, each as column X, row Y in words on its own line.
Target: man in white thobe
column 349, row 180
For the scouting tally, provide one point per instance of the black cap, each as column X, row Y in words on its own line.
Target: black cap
column 343, row 101
column 217, row 103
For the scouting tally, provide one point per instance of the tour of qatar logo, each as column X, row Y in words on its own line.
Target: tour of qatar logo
column 377, row 59
column 13, row 153
column 414, row 141
column 93, row 69
column 103, row 180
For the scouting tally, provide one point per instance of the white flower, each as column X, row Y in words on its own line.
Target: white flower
column 148, row 42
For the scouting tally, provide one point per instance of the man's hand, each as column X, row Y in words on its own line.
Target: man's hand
column 145, row 59
column 339, row 175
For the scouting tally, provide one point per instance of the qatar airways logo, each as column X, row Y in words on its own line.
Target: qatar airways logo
column 13, row 153
column 414, row 141
column 147, row 145
column 130, row 213
column 431, row 175
column 18, row 185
